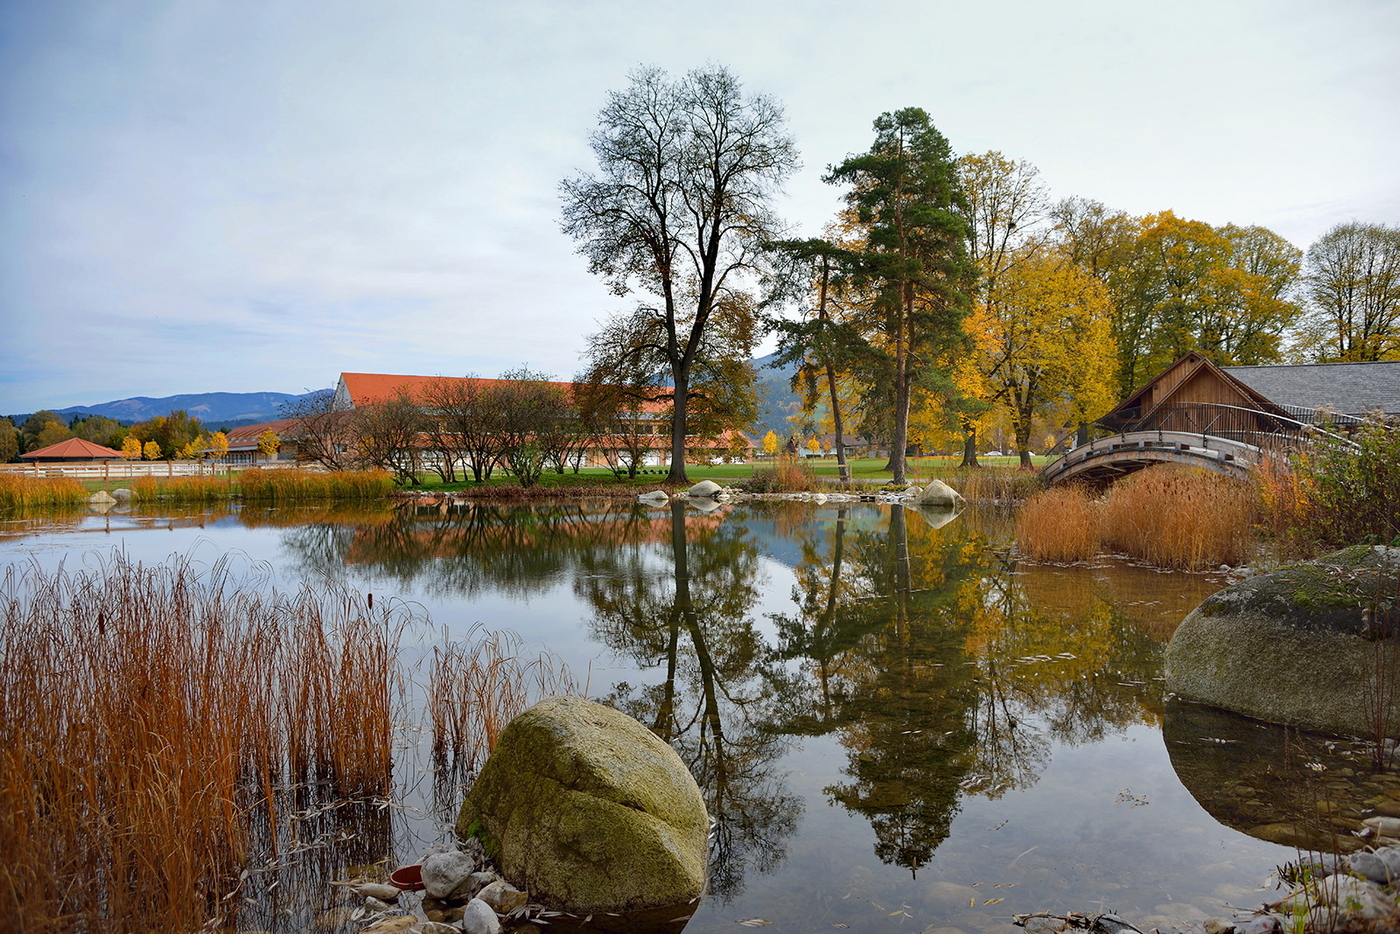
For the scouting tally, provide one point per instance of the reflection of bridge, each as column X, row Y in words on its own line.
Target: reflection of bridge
column 1224, row 438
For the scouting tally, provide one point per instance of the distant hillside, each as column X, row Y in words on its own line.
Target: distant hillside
column 776, row 400
column 212, row 408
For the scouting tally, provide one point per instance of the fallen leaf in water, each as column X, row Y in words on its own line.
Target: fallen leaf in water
column 992, row 901
column 754, row 922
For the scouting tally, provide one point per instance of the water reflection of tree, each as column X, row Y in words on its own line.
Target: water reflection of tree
column 467, row 549
column 691, row 616
column 943, row 674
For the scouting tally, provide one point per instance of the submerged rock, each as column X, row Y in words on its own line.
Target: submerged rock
column 1311, row 645
column 588, row 811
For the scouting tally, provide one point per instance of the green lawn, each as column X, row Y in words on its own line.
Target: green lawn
column 861, row 469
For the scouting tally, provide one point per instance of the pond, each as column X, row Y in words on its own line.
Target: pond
column 896, row 725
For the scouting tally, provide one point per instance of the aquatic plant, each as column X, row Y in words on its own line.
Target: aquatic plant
column 292, row 486
column 785, row 476
column 478, row 685
column 995, row 484
column 1180, row 517
column 182, row 489
column 1166, row 516
column 21, row 492
column 148, row 713
column 1060, row 524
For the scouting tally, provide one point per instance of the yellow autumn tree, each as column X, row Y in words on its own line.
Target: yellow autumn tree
column 151, row 451
column 770, row 443
column 218, row 445
column 269, row 443
column 131, row 448
column 1045, row 350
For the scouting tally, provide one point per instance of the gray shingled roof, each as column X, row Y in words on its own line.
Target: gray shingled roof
column 1345, row 388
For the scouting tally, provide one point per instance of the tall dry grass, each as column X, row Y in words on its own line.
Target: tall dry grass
column 294, row 486
column 182, row 489
column 1180, row 517
column 1060, row 524
column 995, row 484
column 1167, row 516
column 478, row 685
column 785, row 476
column 147, row 714
column 21, row 492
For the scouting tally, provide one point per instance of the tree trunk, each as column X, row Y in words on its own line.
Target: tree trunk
column 841, row 468
column 902, row 390
column 677, row 472
column 970, row 447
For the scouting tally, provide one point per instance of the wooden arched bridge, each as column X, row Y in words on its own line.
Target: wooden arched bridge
column 1223, row 438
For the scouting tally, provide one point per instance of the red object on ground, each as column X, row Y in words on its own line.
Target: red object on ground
column 408, row 878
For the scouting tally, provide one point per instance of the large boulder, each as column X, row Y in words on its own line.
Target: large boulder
column 1312, row 645
column 705, row 488
column 587, row 810
column 938, row 493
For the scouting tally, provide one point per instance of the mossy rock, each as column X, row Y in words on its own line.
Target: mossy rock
column 1312, row 645
column 587, row 810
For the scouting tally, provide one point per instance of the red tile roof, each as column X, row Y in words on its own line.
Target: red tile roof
column 72, row 449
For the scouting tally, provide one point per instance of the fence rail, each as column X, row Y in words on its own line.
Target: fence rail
column 127, row 470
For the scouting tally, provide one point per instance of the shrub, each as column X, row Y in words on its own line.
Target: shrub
column 1352, row 494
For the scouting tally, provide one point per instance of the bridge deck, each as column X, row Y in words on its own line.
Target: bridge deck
column 1106, row 459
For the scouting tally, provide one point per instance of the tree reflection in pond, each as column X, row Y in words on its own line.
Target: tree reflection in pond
column 943, row 667
column 945, row 675
column 692, row 616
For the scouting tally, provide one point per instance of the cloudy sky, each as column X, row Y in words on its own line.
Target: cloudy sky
column 238, row 196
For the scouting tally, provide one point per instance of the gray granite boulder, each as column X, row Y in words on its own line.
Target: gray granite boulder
column 938, row 493
column 1312, row 645
column 587, row 810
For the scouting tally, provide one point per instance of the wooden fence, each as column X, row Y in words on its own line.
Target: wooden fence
column 126, row 470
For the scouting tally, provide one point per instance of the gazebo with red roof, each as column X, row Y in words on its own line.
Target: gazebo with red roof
column 73, row 450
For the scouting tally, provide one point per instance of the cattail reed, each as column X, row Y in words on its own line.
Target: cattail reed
column 21, row 492
column 147, row 713
column 477, row 686
column 293, row 486
column 1060, row 525
column 1180, row 517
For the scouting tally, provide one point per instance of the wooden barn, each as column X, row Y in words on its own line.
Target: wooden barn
column 1194, row 395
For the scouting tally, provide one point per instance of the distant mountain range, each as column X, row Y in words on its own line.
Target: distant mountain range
column 213, row 409
column 776, row 400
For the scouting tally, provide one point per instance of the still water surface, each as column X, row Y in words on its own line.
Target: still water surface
column 896, row 725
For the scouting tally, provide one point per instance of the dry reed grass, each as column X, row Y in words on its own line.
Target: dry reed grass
column 293, row 486
column 182, row 489
column 785, row 476
column 1180, row 517
column 478, row 685
column 21, row 492
column 1060, row 524
column 146, row 713
column 995, row 484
